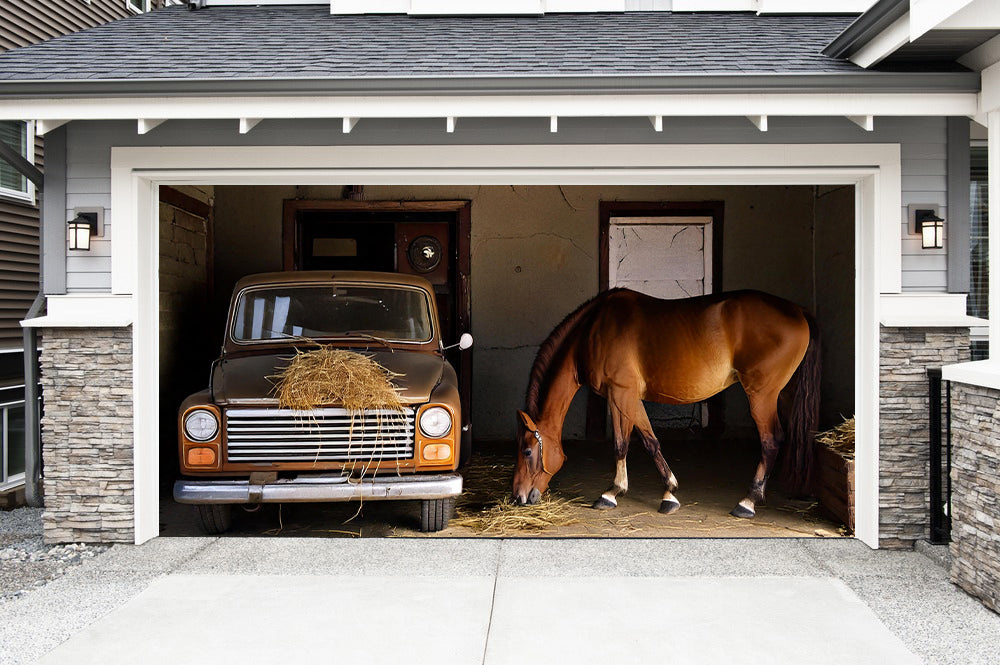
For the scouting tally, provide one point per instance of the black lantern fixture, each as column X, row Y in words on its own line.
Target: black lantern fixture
column 81, row 229
column 931, row 229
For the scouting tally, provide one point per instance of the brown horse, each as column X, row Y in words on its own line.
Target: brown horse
column 628, row 347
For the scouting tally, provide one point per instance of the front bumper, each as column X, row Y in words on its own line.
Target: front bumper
column 305, row 489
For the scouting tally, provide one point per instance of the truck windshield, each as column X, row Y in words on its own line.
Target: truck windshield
column 391, row 313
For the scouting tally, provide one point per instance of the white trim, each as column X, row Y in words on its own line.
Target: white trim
column 247, row 124
column 759, row 121
column 993, row 212
column 983, row 373
column 146, row 125
column 78, row 310
column 497, row 106
column 28, row 194
column 872, row 168
column 926, row 310
column 43, row 127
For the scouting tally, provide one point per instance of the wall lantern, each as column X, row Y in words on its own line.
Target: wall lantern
column 931, row 229
column 81, row 229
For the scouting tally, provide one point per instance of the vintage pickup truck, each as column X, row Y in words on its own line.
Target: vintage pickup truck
column 237, row 447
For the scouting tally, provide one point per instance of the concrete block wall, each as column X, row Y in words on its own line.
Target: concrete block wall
column 975, row 498
column 904, row 439
column 86, row 377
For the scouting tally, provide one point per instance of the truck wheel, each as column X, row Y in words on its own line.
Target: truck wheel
column 435, row 513
column 215, row 518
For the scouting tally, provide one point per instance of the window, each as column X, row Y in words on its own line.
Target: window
column 20, row 136
column 11, row 437
column 138, row 6
column 979, row 263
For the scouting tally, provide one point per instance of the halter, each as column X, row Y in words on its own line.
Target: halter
column 541, row 453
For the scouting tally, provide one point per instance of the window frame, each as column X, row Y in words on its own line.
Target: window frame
column 129, row 5
column 26, row 195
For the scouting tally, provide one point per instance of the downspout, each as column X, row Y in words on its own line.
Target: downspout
column 32, row 433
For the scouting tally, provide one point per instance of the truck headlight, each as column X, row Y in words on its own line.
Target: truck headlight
column 201, row 425
column 435, row 422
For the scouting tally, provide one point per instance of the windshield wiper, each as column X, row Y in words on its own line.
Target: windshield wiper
column 380, row 340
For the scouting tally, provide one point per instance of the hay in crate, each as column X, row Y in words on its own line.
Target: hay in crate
column 325, row 376
column 840, row 439
column 479, row 509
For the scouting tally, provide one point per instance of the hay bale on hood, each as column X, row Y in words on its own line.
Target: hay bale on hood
column 326, row 376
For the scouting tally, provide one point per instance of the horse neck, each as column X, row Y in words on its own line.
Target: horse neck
column 562, row 386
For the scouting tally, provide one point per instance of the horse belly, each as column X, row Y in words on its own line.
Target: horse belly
column 684, row 383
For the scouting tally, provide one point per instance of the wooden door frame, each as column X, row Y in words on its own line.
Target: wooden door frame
column 596, row 405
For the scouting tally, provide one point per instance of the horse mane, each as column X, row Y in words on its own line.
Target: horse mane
column 550, row 348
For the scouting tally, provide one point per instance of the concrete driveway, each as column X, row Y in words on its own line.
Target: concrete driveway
column 259, row 600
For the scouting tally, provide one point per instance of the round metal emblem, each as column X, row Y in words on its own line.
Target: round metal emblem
column 425, row 253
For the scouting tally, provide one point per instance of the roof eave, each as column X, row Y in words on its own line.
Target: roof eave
column 868, row 81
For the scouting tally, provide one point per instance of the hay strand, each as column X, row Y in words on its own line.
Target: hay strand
column 327, row 376
column 840, row 439
column 504, row 517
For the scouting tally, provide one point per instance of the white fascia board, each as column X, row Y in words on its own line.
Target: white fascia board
column 813, row 6
column 584, row 6
column 91, row 310
column 715, row 5
column 883, row 44
column 926, row 310
column 977, row 15
column 497, row 106
column 989, row 99
column 245, row 3
column 982, row 56
column 465, row 8
column 369, row 6
column 926, row 15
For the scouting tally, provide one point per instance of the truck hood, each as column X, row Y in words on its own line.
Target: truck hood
column 244, row 380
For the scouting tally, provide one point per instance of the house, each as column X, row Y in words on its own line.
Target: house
column 826, row 156
column 22, row 24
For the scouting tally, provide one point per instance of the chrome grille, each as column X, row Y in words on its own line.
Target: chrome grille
column 319, row 435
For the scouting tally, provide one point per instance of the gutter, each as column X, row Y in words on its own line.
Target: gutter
column 879, row 17
column 858, row 80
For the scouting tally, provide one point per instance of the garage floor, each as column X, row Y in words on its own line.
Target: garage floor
column 713, row 476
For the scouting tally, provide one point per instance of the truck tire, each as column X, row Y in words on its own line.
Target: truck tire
column 435, row 513
column 215, row 518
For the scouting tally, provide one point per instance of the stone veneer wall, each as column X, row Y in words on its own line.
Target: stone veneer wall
column 87, row 434
column 975, row 492
column 904, row 438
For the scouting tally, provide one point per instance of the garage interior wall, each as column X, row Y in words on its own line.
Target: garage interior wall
column 535, row 258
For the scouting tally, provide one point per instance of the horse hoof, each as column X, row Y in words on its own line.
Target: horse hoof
column 669, row 507
column 742, row 511
column 604, row 504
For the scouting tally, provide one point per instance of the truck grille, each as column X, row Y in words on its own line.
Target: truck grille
column 320, row 435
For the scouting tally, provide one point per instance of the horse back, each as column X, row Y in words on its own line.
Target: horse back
column 679, row 351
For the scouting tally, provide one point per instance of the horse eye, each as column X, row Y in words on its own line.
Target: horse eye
column 527, row 452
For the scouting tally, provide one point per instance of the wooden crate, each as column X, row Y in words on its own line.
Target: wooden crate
column 834, row 485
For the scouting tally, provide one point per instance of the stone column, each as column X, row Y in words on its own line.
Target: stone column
column 975, row 492
column 87, row 438
column 904, row 440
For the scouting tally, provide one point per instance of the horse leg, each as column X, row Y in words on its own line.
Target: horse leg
column 764, row 410
column 622, row 427
column 669, row 504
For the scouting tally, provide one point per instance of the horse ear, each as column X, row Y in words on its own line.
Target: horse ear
column 528, row 422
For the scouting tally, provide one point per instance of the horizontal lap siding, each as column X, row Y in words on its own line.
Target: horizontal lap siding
column 24, row 22
column 19, row 262
column 922, row 140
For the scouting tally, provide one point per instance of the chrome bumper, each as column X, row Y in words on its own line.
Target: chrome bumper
column 319, row 488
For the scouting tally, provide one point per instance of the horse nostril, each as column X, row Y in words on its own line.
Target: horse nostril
column 534, row 496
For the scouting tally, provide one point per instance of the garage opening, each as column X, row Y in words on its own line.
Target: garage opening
column 517, row 260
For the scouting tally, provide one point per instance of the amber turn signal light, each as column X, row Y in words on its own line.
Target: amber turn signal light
column 200, row 457
column 437, row 452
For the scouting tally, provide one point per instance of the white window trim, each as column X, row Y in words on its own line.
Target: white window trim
column 873, row 169
column 145, row 6
column 29, row 195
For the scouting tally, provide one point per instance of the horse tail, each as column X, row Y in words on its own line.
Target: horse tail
column 804, row 416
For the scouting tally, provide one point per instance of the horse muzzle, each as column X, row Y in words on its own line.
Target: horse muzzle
column 533, row 497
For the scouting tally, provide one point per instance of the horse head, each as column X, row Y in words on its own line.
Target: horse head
column 538, row 457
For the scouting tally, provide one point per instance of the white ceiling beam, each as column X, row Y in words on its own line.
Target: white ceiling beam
column 865, row 122
column 146, row 125
column 850, row 103
column 449, row 124
column 350, row 124
column 657, row 122
column 246, row 124
column 554, row 124
column 759, row 121
column 43, row 127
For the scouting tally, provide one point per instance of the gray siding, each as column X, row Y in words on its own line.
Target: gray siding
column 923, row 140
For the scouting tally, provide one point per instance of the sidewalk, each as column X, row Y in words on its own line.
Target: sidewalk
column 232, row 600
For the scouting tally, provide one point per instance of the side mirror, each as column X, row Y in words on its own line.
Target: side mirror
column 464, row 342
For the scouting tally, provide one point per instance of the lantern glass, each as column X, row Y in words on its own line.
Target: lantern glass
column 932, row 233
column 79, row 235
